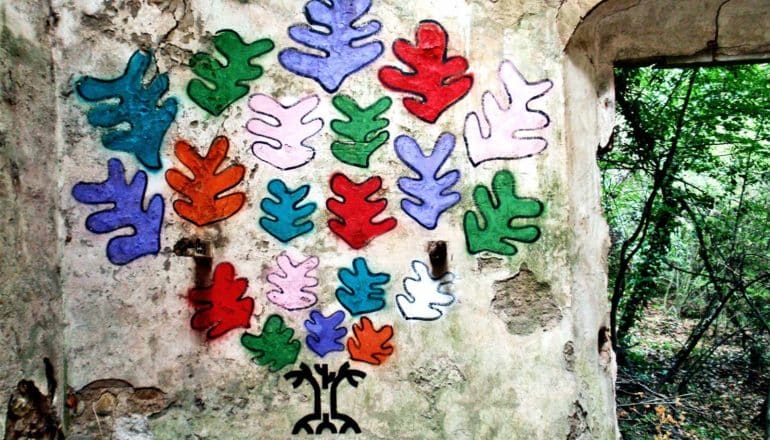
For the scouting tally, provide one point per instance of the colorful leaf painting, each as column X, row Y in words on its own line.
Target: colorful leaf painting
column 324, row 333
column 136, row 105
column 222, row 306
column 368, row 344
column 274, row 347
column 286, row 218
column 425, row 297
column 282, row 131
column 435, row 80
column 127, row 210
column 294, row 284
column 334, row 32
column 498, row 209
column 362, row 133
column 356, row 211
column 511, row 130
column 223, row 84
column 205, row 203
column 431, row 194
column 361, row 290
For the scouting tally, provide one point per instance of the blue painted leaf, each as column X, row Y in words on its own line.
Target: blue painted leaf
column 324, row 333
column 431, row 191
column 286, row 219
column 127, row 211
column 137, row 106
column 361, row 292
column 332, row 31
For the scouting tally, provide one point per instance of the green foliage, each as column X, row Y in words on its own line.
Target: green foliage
column 223, row 84
column 499, row 209
column 363, row 131
column 695, row 139
column 686, row 192
column 274, row 347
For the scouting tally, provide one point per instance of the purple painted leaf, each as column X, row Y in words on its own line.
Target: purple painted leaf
column 324, row 333
column 127, row 211
column 431, row 192
column 332, row 31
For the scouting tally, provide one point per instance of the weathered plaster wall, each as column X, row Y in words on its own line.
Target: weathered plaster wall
column 521, row 353
column 30, row 293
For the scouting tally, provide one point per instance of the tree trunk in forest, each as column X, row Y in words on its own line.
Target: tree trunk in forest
column 662, row 175
column 766, row 414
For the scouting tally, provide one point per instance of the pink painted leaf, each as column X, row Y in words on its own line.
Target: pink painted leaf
column 512, row 130
column 282, row 131
column 294, row 284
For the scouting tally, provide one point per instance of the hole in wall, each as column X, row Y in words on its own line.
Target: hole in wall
column 200, row 251
column 603, row 339
column 437, row 255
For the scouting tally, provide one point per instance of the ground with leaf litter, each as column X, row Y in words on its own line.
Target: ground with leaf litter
column 723, row 401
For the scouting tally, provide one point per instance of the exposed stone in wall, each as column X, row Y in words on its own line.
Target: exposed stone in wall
column 578, row 427
column 431, row 378
column 525, row 304
column 108, row 406
column 31, row 412
column 569, row 356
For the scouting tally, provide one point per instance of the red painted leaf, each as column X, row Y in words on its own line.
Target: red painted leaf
column 205, row 204
column 356, row 211
column 221, row 307
column 437, row 81
column 369, row 344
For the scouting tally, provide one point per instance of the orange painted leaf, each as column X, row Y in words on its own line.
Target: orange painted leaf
column 205, row 204
column 368, row 344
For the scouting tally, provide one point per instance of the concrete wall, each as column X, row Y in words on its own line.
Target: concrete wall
column 512, row 346
column 31, row 294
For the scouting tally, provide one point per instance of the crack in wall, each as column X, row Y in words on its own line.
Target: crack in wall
column 715, row 44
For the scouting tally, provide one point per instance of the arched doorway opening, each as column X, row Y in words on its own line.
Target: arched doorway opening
column 612, row 32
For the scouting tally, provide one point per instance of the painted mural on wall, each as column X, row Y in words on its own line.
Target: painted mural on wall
column 133, row 116
column 511, row 130
column 205, row 203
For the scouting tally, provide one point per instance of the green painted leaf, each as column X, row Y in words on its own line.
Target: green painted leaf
column 223, row 84
column 274, row 347
column 498, row 210
column 363, row 131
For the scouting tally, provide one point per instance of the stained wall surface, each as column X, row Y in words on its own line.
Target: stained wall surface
column 475, row 310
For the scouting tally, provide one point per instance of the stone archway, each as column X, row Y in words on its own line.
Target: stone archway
column 598, row 34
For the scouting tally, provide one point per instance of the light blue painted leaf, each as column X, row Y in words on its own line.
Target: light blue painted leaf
column 430, row 192
column 286, row 218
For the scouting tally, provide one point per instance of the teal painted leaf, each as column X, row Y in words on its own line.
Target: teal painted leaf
column 361, row 290
column 286, row 218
